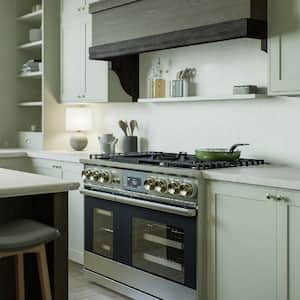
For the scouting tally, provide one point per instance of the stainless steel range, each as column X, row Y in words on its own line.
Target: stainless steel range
column 144, row 223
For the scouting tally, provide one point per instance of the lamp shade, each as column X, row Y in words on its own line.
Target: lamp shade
column 78, row 119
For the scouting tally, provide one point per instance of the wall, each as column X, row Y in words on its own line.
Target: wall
column 7, row 73
column 270, row 125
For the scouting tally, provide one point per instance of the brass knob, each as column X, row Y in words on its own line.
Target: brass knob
column 161, row 186
column 86, row 174
column 104, row 177
column 186, row 189
column 149, row 184
column 94, row 176
column 173, row 188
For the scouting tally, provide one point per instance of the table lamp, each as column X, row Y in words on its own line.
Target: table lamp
column 78, row 120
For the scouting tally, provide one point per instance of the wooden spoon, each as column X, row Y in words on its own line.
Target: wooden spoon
column 133, row 126
column 124, row 126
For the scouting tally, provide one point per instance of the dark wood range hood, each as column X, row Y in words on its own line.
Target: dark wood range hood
column 123, row 29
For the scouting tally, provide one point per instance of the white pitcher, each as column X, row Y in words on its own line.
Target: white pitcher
column 107, row 143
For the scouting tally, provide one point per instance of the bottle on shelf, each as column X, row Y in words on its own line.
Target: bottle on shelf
column 156, row 82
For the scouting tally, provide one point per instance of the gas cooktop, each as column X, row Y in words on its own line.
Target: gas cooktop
column 174, row 160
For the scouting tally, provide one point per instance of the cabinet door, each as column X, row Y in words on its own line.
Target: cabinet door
column 242, row 242
column 71, row 10
column 289, row 245
column 284, row 47
column 76, row 214
column 96, row 72
column 73, row 65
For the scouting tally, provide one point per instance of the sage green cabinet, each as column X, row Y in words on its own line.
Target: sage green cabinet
column 253, row 242
column 284, row 47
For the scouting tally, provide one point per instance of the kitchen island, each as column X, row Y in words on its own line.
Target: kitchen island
column 44, row 199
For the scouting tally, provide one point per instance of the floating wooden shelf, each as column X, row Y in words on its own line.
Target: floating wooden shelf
column 31, row 104
column 200, row 99
column 33, row 17
column 32, row 45
column 34, row 75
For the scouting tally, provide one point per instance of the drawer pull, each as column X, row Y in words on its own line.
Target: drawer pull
column 282, row 198
column 271, row 197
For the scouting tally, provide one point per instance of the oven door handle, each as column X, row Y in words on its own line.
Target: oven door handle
column 186, row 212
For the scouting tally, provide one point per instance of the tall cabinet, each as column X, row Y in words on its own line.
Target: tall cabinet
column 284, row 47
column 84, row 80
column 37, row 90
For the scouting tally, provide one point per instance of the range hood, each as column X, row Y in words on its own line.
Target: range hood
column 126, row 27
column 122, row 29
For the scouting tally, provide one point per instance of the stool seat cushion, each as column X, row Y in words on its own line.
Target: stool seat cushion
column 23, row 234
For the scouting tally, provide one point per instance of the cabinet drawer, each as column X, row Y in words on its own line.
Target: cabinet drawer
column 30, row 140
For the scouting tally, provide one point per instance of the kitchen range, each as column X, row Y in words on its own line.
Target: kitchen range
column 144, row 222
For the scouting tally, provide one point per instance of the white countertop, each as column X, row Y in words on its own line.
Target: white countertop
column 271, row 176
column 15, row 183
column 69, row 156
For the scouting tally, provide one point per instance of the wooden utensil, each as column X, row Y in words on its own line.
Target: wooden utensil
column 133, row 126
column 124, row 126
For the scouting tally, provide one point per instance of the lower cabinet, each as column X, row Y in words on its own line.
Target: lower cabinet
column 16, row 163
column 68, row 171
column 253, row 242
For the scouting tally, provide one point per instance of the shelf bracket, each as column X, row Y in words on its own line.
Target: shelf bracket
column 127, row 69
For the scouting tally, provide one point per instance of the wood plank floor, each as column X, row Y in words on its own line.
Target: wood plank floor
column 81, row 289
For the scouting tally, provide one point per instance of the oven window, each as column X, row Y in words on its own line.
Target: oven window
column 103, row 232
column 158, row 248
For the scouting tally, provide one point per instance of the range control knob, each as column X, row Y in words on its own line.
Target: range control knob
column 161, row 186
column 85, row 174
column 186, row 189
column 149, row 184
column 174, row 188
column 95, row 175
column 104, row 177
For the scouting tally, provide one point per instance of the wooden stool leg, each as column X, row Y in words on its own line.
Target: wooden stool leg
column 44, row 273
column 20, row 285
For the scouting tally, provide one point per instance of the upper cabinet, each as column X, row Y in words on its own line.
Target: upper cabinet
column 84, row 80
column 284, row 47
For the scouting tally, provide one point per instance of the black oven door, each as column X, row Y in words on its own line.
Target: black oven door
column 160, row 243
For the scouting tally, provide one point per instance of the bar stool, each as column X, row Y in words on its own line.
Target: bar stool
column 27, row 236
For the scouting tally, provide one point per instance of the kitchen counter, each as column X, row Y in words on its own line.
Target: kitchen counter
column 45, row 199
column 15, row 183
column 68, row 156
column 271, row 176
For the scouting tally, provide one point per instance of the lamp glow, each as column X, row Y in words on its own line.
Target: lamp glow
column 78, row 119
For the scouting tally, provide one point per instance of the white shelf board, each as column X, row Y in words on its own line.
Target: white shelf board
column 31, row 104
column 199, row 99
column 35, row 75
column 33, row 17
column 32, row 45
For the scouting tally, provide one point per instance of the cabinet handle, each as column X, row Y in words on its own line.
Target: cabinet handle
column 56, row 167
column 277, row 198
column 282, row 198
column 270, row 197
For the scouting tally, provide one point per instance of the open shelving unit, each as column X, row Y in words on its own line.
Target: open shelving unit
column 37, row 90
column 202, row 99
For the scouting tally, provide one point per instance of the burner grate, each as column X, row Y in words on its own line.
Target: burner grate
column 175, row 160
